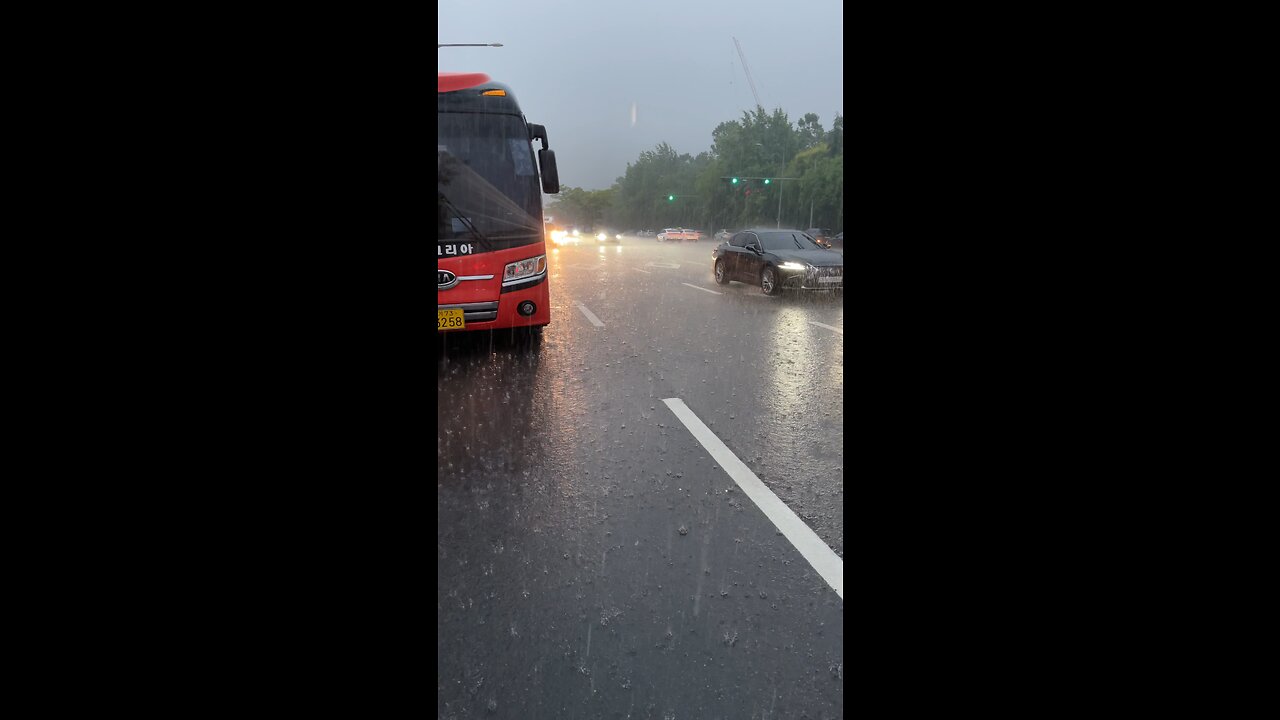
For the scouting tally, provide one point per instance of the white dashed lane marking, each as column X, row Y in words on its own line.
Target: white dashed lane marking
column 820, row 556
column 695, row 287
column 835, row 329
column 590, row 315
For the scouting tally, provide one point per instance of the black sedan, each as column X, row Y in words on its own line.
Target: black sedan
column 778, row 260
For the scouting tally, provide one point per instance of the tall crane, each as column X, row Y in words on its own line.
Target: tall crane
column 747, row 70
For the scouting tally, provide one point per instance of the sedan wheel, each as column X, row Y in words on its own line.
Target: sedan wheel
column 769, row 281
column 721, row 279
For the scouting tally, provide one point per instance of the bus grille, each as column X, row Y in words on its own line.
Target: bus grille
column 475, row 312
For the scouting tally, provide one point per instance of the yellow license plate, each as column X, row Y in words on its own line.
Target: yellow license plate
column 450, row 319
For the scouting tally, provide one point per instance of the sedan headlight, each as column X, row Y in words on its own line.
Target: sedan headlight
column 791, row 266
column 601, row 236
column 525, row 268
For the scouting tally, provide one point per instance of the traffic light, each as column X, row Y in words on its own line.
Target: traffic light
column 671, row 198
column 735, row 181
column 767, row 181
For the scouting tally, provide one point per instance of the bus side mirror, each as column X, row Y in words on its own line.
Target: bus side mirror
column 550, row 176
column 538, row 132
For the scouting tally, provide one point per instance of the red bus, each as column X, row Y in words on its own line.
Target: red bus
column 490, row 245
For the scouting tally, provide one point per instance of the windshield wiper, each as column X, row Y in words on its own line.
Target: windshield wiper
column 488, row 246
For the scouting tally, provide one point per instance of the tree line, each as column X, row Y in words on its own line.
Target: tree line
column 662, row 188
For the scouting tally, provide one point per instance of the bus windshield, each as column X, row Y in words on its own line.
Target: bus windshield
column 488, row 185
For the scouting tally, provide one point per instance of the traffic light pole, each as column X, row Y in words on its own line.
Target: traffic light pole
column 736, row 178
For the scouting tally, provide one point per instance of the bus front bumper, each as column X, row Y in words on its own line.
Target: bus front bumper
column 505, row 311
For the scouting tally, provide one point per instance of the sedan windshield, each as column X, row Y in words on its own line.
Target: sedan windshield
column 787, row 240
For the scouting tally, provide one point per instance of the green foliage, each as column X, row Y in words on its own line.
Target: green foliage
column 584, row 208
column 809, row 131
column 642, row 193
column 759, row 145
column 821, row 182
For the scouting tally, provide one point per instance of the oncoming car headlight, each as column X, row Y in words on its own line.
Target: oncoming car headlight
column 791, row 266
column 525, row 268
column 601, row 236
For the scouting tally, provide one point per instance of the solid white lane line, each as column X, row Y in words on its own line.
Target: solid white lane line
column 827, row 327
column 672, row 266
column 695, row 287
column 822, row 558
column 590, row 315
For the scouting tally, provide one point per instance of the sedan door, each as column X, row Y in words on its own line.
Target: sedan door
column 751, row 262
column 733, row 254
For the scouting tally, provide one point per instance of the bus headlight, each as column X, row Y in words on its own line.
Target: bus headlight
column 525, row 268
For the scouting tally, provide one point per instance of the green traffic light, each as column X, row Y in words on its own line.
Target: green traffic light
column 735, row 181
column 671, row 198
column 767, row 181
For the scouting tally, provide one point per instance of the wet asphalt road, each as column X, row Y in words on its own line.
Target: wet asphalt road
column 593, row 560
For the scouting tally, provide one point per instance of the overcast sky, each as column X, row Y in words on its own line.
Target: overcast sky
column 579, row 66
